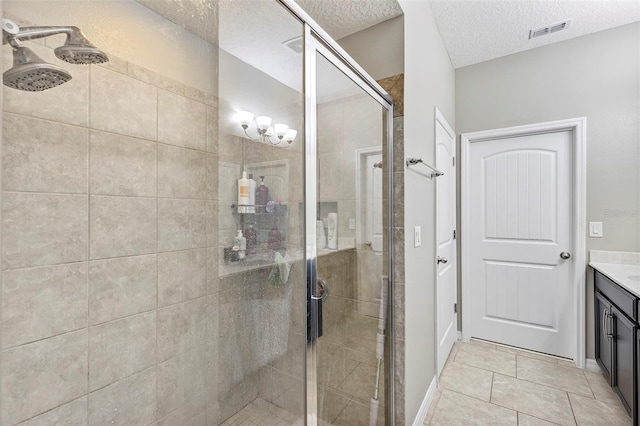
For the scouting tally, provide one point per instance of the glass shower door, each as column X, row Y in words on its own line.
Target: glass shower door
column 351, row 262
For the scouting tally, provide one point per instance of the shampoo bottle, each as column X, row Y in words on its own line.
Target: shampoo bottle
column 332, row 231
column 275, row 238
column 321, row 237
column 243, row 193
column 252, row 240
column 252, row 194
column 262, row 195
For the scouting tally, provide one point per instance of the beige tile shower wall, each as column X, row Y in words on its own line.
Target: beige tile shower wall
column 109, row 251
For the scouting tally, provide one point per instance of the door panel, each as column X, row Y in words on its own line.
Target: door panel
column 447, row 320
column 350, row 185
column 521, row 288
column 624, row 331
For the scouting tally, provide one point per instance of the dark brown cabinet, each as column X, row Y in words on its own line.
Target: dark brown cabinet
column 617, row 340
column 624, row 348
column 604, row 348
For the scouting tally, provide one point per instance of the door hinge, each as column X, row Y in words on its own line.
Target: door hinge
column 455, row 308
column 454, row 234
column 453, row 160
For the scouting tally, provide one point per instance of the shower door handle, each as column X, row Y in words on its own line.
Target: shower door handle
column 323, row 292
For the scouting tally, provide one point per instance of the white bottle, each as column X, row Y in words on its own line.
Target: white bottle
column 252, row 194
column 243, row 193
column 241, row 242
column 332, row 231
column 321, row 238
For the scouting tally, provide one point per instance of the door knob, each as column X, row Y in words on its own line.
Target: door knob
column 565, row 255
column 442, row 259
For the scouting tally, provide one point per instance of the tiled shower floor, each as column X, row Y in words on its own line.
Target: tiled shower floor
column 263, row 413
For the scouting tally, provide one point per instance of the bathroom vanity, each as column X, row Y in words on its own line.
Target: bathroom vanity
column 617, row 330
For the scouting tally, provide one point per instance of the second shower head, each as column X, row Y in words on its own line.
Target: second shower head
column 78, row 50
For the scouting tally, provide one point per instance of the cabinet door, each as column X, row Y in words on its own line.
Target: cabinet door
column 624, row 357
column 604, row 344
column 637, row 384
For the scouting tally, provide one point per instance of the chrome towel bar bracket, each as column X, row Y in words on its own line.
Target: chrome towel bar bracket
column 413, row 161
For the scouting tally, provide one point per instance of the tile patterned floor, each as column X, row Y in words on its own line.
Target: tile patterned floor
column 486, row 384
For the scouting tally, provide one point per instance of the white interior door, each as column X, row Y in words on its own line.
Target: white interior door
column 521, row 220
column 446, row 290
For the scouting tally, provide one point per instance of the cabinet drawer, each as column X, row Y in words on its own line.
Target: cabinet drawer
column 625, row 301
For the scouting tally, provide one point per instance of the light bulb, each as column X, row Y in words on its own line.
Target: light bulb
column 280, row 129
column 244, row 117
column 290, row 135
column 269, row 131
column 263, row 122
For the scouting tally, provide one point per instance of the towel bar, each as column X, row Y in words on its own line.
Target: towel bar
column 413, row 161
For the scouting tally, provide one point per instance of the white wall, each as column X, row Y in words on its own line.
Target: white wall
column 429, row 82
column 378, row 49
column 595, row 76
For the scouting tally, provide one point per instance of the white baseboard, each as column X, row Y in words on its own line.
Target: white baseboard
column 426, row 402
column 592, row 365
column 459, row 335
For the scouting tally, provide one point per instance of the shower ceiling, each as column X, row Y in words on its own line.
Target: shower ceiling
column 238, row 27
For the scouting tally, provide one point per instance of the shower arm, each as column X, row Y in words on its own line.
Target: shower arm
column 74, row 35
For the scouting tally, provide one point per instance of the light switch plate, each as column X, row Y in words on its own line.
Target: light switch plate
column 595, row 229
column 417, row 236
column 352, row 224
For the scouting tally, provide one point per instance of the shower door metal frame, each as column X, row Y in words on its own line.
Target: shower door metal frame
column 316, row 40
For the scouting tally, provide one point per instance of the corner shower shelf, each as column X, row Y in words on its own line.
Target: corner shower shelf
column 277, row 209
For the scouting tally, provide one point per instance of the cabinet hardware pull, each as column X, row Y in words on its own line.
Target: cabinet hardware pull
column 605, row 324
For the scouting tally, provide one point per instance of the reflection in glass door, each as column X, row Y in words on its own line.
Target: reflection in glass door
column 351, row 255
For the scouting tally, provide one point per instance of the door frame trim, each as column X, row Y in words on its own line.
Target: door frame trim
column 578, row 126
column 440, row 118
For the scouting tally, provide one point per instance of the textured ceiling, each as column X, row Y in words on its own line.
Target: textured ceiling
column 477, row 31
column 200, row 18
column 341, row 18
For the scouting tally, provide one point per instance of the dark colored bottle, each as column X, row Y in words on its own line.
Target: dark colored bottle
column 275, row 238
column 262, row 195
column 252, row 240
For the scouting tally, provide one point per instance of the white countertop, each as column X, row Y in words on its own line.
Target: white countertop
column 621, row 274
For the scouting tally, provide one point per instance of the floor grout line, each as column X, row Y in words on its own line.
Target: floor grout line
column 566, row 393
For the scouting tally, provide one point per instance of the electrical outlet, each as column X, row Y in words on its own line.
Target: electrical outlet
column 352, row 224
column 417, row 236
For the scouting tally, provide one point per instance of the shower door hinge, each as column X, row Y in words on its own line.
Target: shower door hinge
column 455, row 308
column 453, row 161
column 454, row 234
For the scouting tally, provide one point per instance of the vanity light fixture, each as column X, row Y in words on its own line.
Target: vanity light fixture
column 265, row 130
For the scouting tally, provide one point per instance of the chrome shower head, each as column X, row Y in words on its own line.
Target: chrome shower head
column 78, row 50
column 31, row 73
